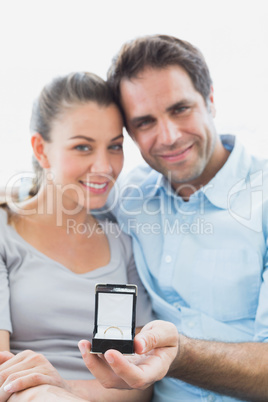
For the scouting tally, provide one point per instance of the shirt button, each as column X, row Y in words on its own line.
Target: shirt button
column 211, row 398
column 176, row 304
column 168, row 258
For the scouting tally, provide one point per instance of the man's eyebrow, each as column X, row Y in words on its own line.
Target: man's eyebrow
column 89, row 139
column 139, row 119
column 181, row 103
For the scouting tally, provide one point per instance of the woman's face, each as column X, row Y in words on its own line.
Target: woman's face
column 85, row 154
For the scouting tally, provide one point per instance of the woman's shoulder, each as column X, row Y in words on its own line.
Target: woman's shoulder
column 4, row 215
column 115, row 233
column 115, row 230
column 4, row 232
column 8, row 217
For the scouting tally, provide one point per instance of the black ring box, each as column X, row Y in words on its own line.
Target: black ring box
column 115, row 318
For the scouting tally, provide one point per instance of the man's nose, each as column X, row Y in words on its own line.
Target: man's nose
column 168, row 132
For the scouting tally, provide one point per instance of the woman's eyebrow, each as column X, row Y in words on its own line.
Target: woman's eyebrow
column 89, row 139
column 118, row 137
column 81, row 137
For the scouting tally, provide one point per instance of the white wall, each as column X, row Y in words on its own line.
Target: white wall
column 42, row 39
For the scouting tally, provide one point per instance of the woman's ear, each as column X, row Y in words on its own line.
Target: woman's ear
column 39, row 149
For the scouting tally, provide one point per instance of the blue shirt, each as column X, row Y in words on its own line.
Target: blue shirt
column 203, row 262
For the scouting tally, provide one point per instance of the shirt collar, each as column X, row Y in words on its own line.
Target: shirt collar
column 231, row 174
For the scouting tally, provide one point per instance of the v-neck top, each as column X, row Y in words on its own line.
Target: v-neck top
column 48, row 308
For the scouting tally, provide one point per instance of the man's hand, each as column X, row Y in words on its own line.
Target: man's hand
column 24, row 370
column 156, row 347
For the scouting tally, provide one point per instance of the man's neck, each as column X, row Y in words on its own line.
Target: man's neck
column 216, row 162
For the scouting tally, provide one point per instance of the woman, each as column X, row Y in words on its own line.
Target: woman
column 53, row 250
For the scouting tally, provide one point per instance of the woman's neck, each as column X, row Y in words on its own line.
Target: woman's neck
column 52, row 207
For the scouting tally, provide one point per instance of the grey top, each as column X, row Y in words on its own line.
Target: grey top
column 48, row 308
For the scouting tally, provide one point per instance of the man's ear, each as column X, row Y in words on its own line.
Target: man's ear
column 211, row 103
column 39, row 150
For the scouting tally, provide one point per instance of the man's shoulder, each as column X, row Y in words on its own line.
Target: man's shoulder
column 258, row 173
column 258, row 163
column 258, row 177
column 242, row 164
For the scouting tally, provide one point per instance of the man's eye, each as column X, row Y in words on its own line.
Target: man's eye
column 181, row 109
column 83, row 148
column 145, row 123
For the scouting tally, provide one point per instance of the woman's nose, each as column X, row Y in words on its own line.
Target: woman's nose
column 101, row 164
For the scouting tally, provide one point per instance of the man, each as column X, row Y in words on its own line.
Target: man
column 198, row 218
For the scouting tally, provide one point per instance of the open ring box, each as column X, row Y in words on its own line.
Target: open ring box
column 115, row 318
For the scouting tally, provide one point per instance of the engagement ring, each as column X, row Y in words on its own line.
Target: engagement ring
column 114, row 327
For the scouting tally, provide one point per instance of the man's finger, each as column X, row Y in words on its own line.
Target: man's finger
column 132, row 376
column 156, row 334
column 99, row 367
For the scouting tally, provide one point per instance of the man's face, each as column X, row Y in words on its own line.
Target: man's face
column 172, row 125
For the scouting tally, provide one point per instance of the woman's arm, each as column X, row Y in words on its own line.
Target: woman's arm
column 29, row 369
column 92, row 390
column 4, row 340
column 4, row 347
column 44, row 393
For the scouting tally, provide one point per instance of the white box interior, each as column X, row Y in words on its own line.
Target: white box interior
column 114, row 310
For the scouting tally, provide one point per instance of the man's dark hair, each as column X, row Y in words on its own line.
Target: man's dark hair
column 159, row 51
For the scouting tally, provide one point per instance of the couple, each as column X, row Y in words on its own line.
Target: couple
column 197, row 216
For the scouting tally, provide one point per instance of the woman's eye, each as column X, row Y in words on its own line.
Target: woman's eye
column 82, row 148
column 116, row 147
